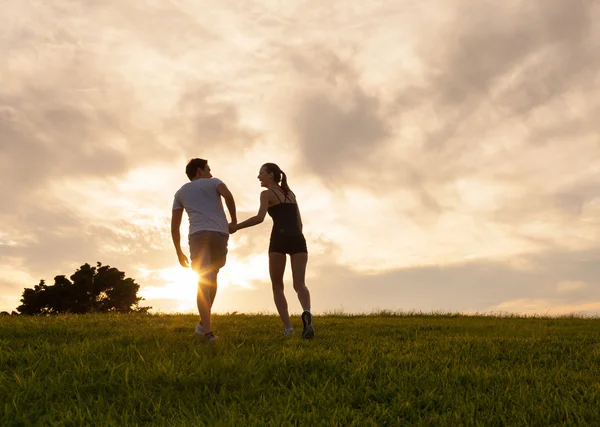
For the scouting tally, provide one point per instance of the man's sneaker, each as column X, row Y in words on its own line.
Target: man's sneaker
column 210, row 337
column 288, row 331
column 309, row 331
column 199, row 330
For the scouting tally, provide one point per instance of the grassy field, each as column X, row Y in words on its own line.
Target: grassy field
column 359, row 370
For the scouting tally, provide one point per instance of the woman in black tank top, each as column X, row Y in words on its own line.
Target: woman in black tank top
column 286, row 238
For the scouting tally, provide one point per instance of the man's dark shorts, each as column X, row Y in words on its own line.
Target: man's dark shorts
column 208, row 250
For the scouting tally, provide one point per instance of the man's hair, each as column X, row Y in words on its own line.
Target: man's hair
column 192, row 167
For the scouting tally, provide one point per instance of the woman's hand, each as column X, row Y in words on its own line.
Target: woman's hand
column 256, row 219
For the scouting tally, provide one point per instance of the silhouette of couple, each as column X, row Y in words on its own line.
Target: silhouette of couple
column 209, row 235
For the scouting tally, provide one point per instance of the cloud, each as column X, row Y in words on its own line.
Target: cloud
column 113, row 96
column 85, row 106
column 333, row 137
column 477, row 286
column 570, row 286
column 207, row 124
column 510, row 57
column 548, row 307
column 425, row 142
column 337, row 123
column 488, row 101
column 494, row 74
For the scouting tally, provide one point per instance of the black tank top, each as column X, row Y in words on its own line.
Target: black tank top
column 285, row 216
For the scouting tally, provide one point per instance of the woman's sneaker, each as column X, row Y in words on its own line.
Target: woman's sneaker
column 309, row 331
column 210, row 337
column 199, row 330
column 288, row 331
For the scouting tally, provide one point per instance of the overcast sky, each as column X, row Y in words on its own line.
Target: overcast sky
column 445, row 153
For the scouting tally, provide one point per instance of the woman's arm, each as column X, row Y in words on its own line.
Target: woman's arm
column 260, row 216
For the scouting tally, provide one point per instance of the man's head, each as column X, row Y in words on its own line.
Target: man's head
column 197, row 168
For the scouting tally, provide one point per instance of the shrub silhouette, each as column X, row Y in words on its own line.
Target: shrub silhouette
column 99, row 289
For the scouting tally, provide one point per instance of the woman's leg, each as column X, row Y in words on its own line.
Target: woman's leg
column 276, row 270
column 299, row 262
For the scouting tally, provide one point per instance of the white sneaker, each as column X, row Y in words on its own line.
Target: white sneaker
column 288, row 331
column 211, row 338
column 199, row 330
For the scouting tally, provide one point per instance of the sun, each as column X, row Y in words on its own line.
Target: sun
column 178, row 274
column 174, row 288
column 178, row 284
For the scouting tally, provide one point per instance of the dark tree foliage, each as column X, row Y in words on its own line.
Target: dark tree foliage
column 100, row 289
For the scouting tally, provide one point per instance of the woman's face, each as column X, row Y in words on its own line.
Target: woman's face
column 263, row 177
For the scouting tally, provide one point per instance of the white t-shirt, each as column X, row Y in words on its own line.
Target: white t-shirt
column 203, row 204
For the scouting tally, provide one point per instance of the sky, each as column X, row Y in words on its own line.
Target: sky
column 445, row 154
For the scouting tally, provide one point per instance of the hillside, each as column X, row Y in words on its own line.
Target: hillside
column 359, row 370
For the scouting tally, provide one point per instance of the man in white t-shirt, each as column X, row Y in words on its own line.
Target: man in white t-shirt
column 208, row 235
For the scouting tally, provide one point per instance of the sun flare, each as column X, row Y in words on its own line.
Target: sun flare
column 179, row 285
column 178, row 274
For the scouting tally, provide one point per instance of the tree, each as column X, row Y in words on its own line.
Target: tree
column 99, row 289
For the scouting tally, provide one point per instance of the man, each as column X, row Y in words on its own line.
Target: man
column 208, row 235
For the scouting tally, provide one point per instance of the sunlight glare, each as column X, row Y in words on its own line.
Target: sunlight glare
column 242, row 273
column 179, row 284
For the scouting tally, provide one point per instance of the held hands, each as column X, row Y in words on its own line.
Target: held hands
column 232, row 228
column 183, row 260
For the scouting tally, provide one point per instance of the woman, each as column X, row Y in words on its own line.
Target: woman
column 286, row 238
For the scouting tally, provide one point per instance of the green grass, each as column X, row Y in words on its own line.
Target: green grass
column 359, row 370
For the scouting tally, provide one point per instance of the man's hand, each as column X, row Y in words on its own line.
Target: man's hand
column 175, row 223
column 183, row 260
column 232, row 228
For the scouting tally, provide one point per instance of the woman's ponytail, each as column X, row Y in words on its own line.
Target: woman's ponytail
column 284, row 184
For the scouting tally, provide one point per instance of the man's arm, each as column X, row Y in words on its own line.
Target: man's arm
column 229, row 201
column 175, row 224
column 260, row 216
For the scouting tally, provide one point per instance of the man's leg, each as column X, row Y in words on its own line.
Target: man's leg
column 218, row 256
column 208, row 281
column 207, row 289
column 213, row 287
column 200, row 263
column 213, row 257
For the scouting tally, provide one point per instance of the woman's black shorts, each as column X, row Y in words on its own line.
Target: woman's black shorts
column 287, row 243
